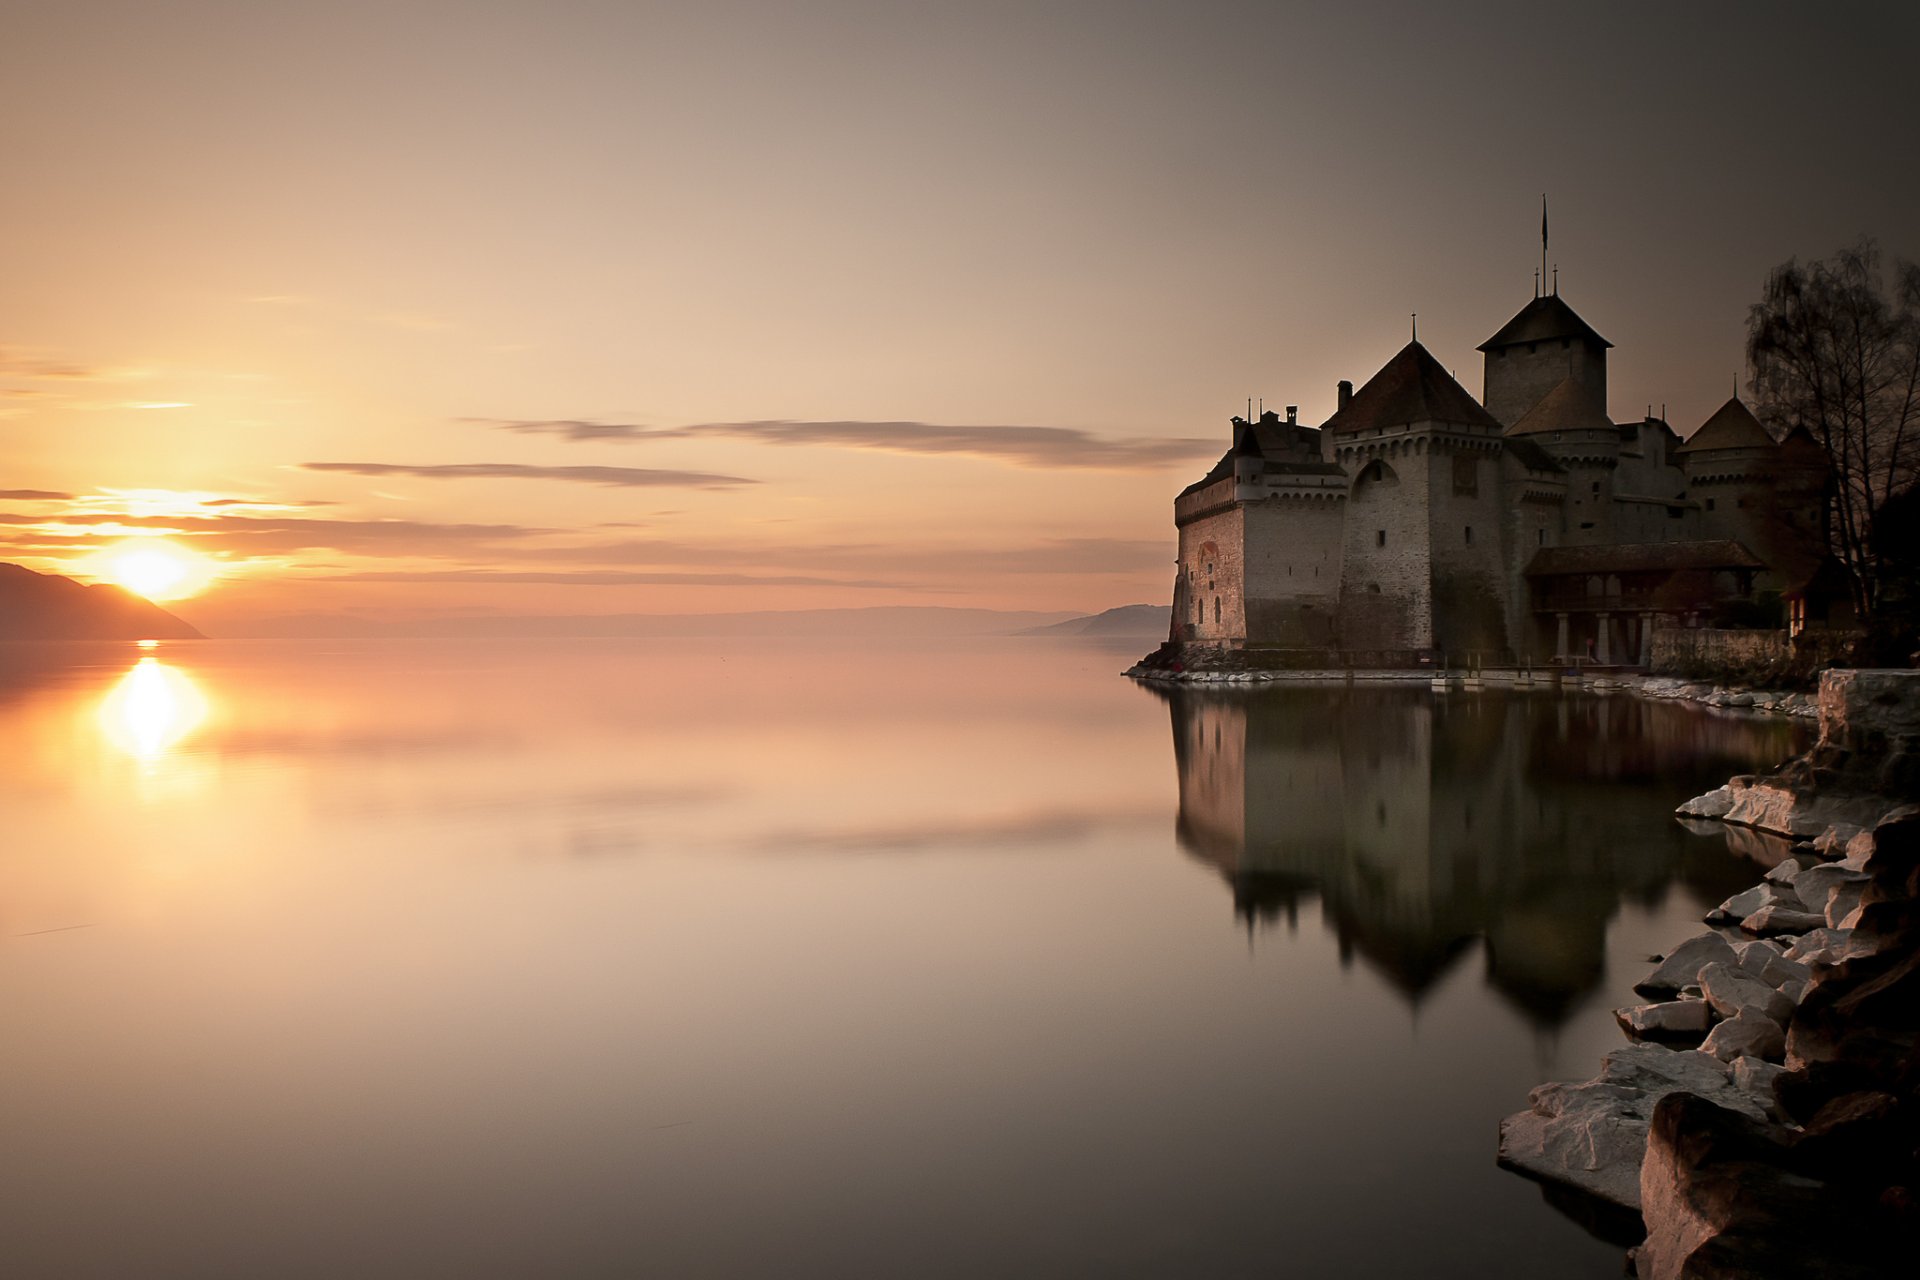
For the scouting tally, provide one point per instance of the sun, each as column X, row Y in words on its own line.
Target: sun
column 156, row 569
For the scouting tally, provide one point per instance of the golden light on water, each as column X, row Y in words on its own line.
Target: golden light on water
column 152, row 708
column 156, row 569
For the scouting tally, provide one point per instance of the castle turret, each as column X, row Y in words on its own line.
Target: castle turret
column 1544, row 345
column 1766, row 495
column 1422, row 564
column 1577, row 434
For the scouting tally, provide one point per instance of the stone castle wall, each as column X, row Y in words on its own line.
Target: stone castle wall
column 1293, row 561
column 1386, row 581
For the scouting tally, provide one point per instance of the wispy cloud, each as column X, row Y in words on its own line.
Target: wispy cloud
column 616, row 578
column 1051, row 555
column 34, row 495
column 261, row 535
column 618, row 477
column 1021, row 446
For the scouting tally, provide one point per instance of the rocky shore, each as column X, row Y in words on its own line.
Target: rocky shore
column 1765, row 1117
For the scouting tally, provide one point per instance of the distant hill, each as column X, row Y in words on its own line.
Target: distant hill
column 45, row 606
column 1127, row 620
column 881, row 622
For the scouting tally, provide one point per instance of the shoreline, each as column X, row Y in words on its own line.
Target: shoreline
column 1774, row 1076
column 1796, row 703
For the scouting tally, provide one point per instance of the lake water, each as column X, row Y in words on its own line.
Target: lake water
column 729, row 958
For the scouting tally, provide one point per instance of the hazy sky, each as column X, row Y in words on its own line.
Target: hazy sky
column 607, row 307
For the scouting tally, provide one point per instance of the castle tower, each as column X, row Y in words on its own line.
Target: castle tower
column 1259, row 556
column 1577, row 434
column 1422, row 566
column 1541, row 347
column 1768, row 496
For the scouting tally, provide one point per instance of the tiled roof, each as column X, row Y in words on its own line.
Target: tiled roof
column 1568, row 407
column 1411, row 387
column 1542, row 320
column 1643, row 557
column 1732, row 426
column 1532, row 455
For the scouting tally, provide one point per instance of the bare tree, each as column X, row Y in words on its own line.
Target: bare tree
column 1835, row 348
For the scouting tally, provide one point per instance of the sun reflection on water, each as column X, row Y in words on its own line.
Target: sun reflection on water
column 152, row 708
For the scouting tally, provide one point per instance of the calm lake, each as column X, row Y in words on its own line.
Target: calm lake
column 749, row 958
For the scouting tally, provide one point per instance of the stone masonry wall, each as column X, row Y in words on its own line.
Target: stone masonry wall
column 1292, row 567
column 1688, row 651
column 1464, row 547
column 1211, row 561
column 1386, row 584
column 1520, row 378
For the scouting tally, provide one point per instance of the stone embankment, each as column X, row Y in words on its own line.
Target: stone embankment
column 1765, row 1118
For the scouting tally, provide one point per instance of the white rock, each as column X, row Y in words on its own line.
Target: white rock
column 1732, row 993
column 1843, row 904
column 1755, row 1075
column 1756, row 955
column 1783, row 873
column 1682, row 967
column 1827, row 946
column 1593, row 1135
column 1742, row 904
column 1714, row 804
column 1749, row 1034
column 1779, row 971
column 1832, row 843
column 1675, row 1019
column 1779, row 919
column 1814, row 884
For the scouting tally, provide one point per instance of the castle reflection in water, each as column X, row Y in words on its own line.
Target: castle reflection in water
column 1424, row 823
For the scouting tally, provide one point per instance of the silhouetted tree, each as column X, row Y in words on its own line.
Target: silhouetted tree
column 1835, row 348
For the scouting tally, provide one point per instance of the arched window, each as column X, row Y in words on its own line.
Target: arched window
column 1216, row 610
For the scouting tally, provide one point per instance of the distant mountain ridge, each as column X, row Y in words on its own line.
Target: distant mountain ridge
column 1127, row 620
column 46, row 606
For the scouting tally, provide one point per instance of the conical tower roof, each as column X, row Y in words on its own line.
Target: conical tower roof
column 1568, row 407
column 1732, row 426
column 1411, row 387
column 1543, row 319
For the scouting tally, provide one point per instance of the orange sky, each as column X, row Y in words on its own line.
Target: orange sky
column 588, row 308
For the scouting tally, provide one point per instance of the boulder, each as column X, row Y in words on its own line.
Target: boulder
column 1682, row 966
column 1591, row 1136
column 1742, row 904
column 1813, row 885
column 1756, row 1076
column 1714, row 804
column 1756, row 954
column 1832, row 843
column 1679, row 1020
column 1732, row 992
column 1782, row 919
column 1827, row 946
column 1779, row 971
column 1842, row 903
column 1719, row 1202
column 1749, row 1034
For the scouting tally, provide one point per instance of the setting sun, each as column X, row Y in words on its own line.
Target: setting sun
column 157, row 570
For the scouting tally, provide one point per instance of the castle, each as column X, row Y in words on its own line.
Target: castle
column 1419, row 524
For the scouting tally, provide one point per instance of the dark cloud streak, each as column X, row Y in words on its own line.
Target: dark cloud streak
column 617, row 477
column 1022, row 446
